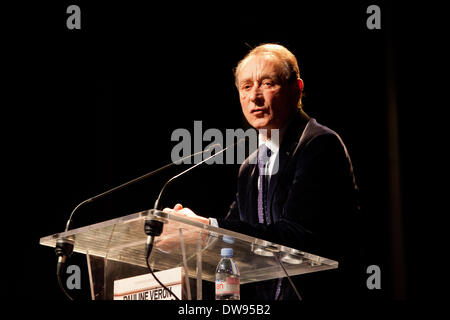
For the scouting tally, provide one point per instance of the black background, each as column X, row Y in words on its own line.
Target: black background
column 90, row 109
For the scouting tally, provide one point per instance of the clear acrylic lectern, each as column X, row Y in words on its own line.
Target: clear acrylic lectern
column 115, row 249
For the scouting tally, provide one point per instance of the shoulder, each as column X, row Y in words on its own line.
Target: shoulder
column 318, row 133
column 314, row 130
column 319, row 139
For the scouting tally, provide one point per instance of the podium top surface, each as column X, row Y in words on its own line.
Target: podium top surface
column 123, row 239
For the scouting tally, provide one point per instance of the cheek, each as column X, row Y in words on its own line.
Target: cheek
column 271, row 100
column 244, row 104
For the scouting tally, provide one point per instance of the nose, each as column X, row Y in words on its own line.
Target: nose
column 256, row 95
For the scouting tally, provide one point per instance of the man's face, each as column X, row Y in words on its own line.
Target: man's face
column 266, row 100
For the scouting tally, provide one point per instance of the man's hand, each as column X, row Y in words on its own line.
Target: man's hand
column 168, row 243
column 186, row 213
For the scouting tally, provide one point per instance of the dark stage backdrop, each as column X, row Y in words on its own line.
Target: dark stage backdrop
column 95, row 107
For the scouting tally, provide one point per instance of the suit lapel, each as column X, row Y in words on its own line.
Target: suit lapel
column 291, row 141
column 250, row 202
column 283, row 159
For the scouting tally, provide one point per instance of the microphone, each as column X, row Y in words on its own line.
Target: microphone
column 64, row 246
column 154, row 227
column 126, row 184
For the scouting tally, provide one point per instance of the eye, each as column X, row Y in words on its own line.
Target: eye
column 246, row 86
column 268, row 84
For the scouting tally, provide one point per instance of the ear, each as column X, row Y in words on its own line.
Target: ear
column 300, row 84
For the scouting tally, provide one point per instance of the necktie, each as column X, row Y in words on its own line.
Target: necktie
column 263, row 158
column 264, row 154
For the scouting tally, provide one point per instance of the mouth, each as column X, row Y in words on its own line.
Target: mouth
column 258, row 111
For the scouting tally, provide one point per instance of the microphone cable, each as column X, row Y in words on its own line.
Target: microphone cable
column 148, row 253
column 58, row 278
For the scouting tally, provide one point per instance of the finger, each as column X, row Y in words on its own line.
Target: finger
column 178, row 207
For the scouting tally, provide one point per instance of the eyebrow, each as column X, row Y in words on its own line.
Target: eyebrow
column 264, row 76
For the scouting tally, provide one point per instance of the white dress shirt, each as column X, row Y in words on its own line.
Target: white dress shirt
column 273, row 161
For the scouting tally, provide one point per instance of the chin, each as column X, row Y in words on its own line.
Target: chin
column 260, row 124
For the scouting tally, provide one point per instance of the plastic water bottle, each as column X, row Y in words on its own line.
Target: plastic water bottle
column 227, row 277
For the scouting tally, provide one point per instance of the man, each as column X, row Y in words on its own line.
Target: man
column 301, row 192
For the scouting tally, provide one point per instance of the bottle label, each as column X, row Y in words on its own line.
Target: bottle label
column 228, row 286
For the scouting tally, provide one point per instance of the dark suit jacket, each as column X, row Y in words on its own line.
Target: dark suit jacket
column 313, row 207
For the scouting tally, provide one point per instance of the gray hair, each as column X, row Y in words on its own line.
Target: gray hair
column 289, row 66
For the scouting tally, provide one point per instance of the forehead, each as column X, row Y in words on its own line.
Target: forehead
column 256, row 67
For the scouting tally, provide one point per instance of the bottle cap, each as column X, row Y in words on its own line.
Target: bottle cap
column 228, row 239
column 226, row 252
